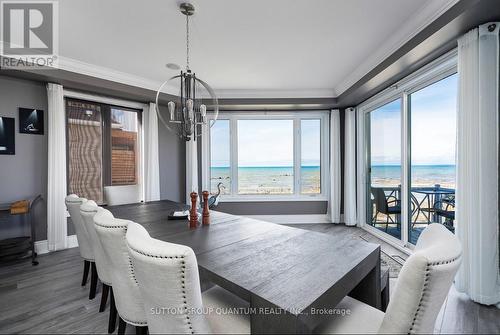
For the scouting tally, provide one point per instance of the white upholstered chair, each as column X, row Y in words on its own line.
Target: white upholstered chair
column 88, row 210
column 111, row 232
column 422, row 287
column 73, row 203
column 169, row 282
column 122, row 194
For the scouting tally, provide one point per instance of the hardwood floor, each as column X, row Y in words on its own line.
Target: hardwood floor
column 48, row 298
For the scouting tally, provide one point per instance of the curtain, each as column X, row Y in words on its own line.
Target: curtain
column 151, row 155
column 56, row 187
column 350, row 168
column 477, row 164
column 191, row 169
column 334, row 201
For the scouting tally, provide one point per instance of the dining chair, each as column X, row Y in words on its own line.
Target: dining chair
column 128, row 300
column 421, row 288
column 88, row 210
column 168, row 277
column 73, row 203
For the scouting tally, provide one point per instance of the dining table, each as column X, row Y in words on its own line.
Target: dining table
column 292, row 278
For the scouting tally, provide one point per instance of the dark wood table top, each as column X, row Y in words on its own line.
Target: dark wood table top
column 289, row 268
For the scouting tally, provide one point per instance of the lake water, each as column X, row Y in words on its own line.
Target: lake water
column 268, row 180
column 421, row 175
column 279, row 180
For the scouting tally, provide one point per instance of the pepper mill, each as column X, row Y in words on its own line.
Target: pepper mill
column 193, row 215
column 206, row 212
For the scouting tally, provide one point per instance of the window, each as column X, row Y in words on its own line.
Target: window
column 265, row 157
column 433, row 114
column 220, row 173
column 85, row 165
column 310, row 164
column 280, row 156
column 384, row 174
column 124, row 151
column 103, row 147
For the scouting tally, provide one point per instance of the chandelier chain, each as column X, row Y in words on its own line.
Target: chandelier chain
column 187, row 42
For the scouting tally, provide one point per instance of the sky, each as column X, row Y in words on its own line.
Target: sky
column 433, row 127
column 266, row 143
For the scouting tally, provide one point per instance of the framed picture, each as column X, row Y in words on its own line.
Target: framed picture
column 31, row 121
column 7, row 136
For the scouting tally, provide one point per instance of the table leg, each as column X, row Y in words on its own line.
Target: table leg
column 266, row 318
column 368, row 290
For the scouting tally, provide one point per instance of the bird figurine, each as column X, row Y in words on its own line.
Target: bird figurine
column 213, row 201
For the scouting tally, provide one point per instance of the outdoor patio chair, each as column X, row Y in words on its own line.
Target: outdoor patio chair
column 387, row 205
column 446, row 208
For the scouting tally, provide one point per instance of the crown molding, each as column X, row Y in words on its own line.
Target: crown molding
column 410, row 29
column 77, row 66
column 274, row 93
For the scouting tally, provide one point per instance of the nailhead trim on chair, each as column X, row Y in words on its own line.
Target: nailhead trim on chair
column 133, row 322
column 426, row 282
column 131, row 268
column 183, row 283
column 105, row 226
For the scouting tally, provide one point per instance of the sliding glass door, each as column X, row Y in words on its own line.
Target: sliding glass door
column 409, row 143
column 384, row 168
column 432, row 112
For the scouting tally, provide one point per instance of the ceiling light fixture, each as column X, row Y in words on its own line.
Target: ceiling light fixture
column 188, row 113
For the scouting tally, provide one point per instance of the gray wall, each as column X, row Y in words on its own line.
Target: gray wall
column 172, row 164
column 273, row 207
column 24, row 174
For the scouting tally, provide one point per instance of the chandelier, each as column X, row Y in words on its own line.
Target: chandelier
column 187, row 114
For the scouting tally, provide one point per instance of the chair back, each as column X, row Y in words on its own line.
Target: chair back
column 168, row 278
column 73, row 203
column 122, row 195
column 423, row 283
column 128, row 299
column 380, row 200
column 88, row 210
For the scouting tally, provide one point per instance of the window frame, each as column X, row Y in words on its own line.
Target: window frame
column 233, row 118
column 138, row 107
column 435, row 71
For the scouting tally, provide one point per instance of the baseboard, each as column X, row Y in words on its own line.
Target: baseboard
column 42, row 247
column 293, row 219
column 71, row 241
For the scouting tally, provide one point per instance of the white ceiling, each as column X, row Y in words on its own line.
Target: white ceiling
column 252, row 48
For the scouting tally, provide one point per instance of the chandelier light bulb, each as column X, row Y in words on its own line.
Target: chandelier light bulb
column 203, row 112
column 190, row 105
column 171, row 110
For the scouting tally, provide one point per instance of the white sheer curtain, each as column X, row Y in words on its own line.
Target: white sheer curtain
column 334, row 201
column 151, row 155
column 350, row 168
column 477, row 164
column 56, row 187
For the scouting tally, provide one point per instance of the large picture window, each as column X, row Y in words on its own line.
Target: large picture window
column 273, row 156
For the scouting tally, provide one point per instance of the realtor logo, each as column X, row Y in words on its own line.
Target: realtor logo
column 29, row 34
